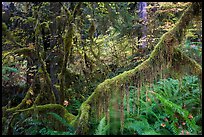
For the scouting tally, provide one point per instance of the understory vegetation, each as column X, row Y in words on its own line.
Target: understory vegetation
column 170, row 107
column 101, row 68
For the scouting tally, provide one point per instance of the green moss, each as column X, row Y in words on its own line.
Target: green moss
column 182, row 64
column 82, row 119
column 22, row 104
column 57, row 86
column 168, row 42
column 56, row 108
column 4, row 28
column 69, row 117
column 40, row 70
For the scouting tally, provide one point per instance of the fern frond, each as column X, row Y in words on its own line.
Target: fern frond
column 177, row 108
column 102, row 127
column 61, row 119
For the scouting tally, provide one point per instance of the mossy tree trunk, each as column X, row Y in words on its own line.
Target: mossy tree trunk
column 67, row 48
column 68, row 45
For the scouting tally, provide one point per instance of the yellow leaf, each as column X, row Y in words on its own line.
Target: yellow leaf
column 28, row 101
column 31, row 92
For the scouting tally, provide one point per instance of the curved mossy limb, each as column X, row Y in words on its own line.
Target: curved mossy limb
column 26, row 51
column 82, row 122
column 21, row 105
column 162, row 57
column 56, row 108
column 38, row 98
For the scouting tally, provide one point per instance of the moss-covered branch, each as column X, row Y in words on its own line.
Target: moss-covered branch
column 56, row 108
column 163, row 57
column 19, row 106
column 26, row 51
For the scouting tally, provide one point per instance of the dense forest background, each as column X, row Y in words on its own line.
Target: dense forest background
column 101, row 68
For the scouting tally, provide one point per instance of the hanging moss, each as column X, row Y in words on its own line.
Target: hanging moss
column 82, row 124
column 168, row 42
column 183, row 65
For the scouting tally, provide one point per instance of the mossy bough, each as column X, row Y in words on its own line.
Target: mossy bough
column 165, row 56
column 56, row 108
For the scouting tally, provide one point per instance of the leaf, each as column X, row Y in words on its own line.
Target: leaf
column 29, row 102
column 10, row 69
column 31, row 92
column 101, row 129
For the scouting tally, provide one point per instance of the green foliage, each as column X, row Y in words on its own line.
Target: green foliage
column 193, row 49
column 13, row 72
column 167, row 109
column 102, row 127
column 184, row 93
column 35, row 125
column 4, row 28
column 74, row 105
column 59, row 118
column 6, row 70
column 49, row 131
column 138, row 127
column 171, row 108
column 27, row 125
column 115, row 38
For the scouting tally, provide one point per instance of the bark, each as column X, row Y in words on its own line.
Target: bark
column 143, row 16
column 67, row 47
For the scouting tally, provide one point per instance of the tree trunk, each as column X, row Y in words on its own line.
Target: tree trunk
column 143, row 17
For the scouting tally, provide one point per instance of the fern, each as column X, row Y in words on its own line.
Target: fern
column 6, row 70
column 27, row 125
column 140, row 127
column 31, row 126
column 102, row 127
column 169, row 98
column 177, row 108
column 48, row 131
column 62, row 120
